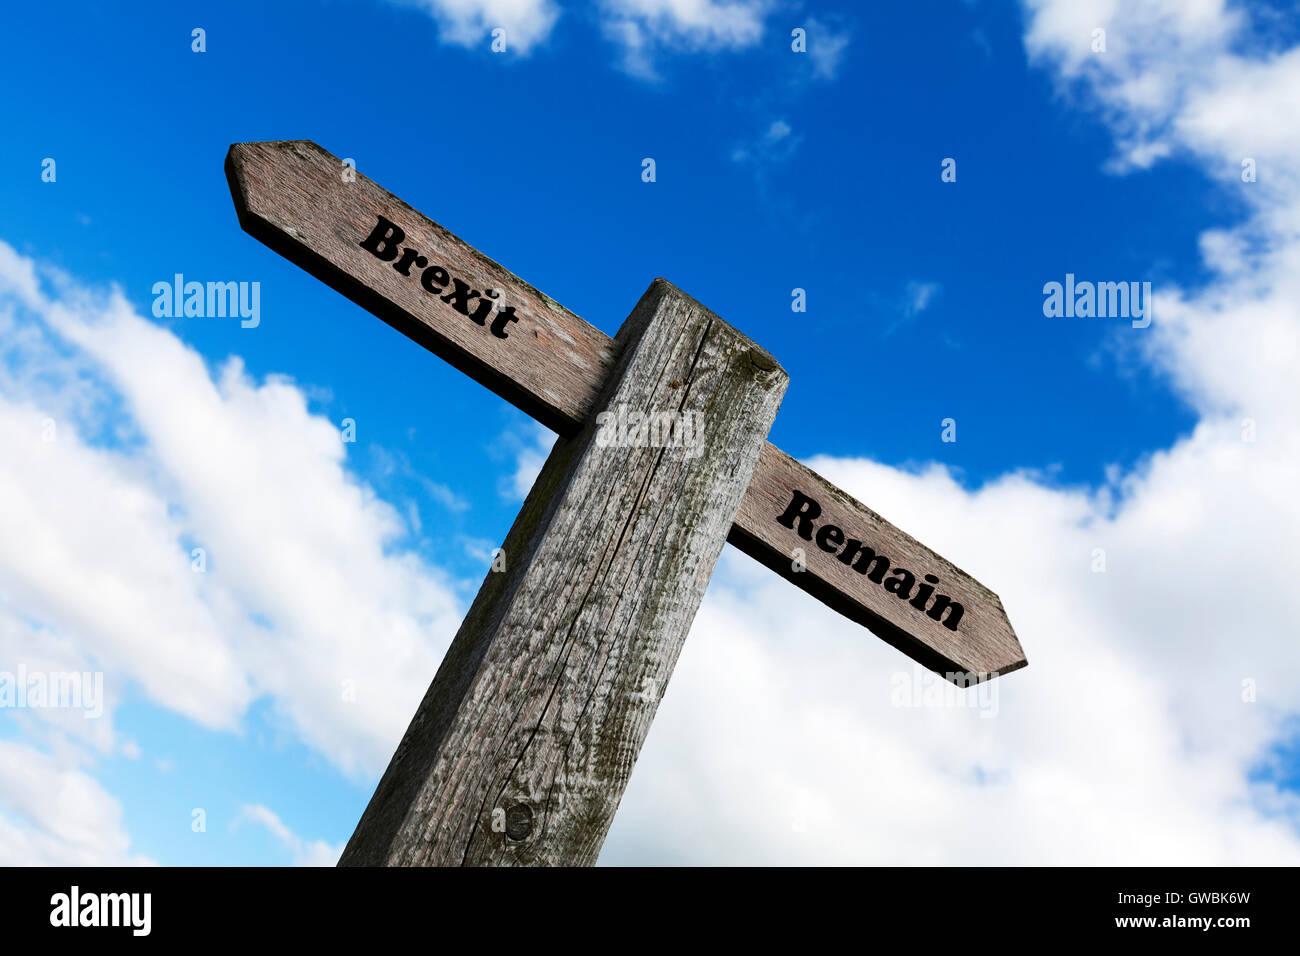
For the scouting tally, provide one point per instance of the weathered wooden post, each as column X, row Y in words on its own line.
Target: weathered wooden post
column 524, row 743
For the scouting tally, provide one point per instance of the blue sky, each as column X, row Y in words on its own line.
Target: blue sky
column 853, row 210
column 775, row 170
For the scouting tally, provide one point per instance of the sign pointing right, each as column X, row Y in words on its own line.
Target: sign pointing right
column 858, row 563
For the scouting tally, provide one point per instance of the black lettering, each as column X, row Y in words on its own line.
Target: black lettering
column 484, row 306
column 829, row 538
column 944, row 603
column 503, row 318
column 432, row 275
column 403, row 265
column 868, row 562
column 900, row 583
column 802, row 509
column 460, row 297
column 383, row 240
column 923, row 592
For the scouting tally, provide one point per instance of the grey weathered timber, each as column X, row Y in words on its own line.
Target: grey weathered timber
column 292, row 197
column 522, row 747
column 552, row 364
column 982, row 647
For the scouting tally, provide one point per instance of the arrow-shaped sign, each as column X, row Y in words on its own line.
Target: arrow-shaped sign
column 395, row 262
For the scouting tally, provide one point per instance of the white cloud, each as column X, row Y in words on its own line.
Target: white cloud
column 1126, row 741
column 53, row 814
column 643, row 30
column 305, row 852
column 776, row 145
column 917, row 296
column 1160, row 56
column 826, row 47
column 646, row 28
column 470, row 23
column 531, row 447
column 307, row 593
column 36, row 656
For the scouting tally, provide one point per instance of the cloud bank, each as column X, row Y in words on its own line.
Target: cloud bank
column 195, row 536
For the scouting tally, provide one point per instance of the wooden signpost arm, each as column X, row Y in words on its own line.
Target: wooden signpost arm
column 431, row 286
column 524, row 743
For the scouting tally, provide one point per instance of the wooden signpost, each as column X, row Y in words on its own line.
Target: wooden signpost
column 523, row 745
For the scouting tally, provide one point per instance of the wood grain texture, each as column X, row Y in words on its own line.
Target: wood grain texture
column 291, row 196
column 984, row 644
column 522, row 747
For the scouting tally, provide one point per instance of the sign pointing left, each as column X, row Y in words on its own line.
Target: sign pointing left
column 290, row 196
